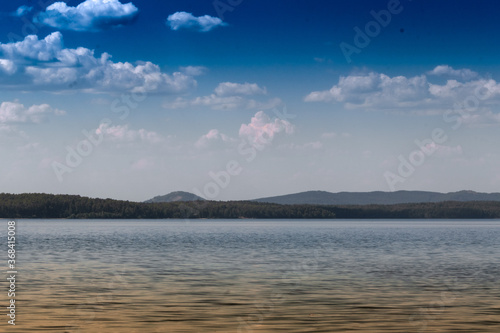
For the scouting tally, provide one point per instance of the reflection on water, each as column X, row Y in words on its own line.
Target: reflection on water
column 257, row 276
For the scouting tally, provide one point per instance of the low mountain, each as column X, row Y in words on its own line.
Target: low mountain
column 175, row 196
column 377, row 197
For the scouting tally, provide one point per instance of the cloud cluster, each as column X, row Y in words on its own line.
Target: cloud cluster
column 194, row 70
column 90, row 15
column 122, row 134
column 213, row 136
column 454, row 90
column 260, row 132
column 373, row 89
column 450, row 72
column 235, row 89
column 15, row 112
column 46, row 64
column 8, row 66
column 262, row 129
column 184, row 20
column 378, row 91
column 228, row 96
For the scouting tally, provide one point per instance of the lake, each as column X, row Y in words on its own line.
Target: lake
column 256, row 276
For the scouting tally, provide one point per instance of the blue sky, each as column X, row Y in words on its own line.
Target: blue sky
column 245, row 99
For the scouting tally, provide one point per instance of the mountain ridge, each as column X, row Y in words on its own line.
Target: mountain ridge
column 377, row 197
column 318, row 197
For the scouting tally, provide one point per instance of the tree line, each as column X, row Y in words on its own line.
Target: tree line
column 39, row 205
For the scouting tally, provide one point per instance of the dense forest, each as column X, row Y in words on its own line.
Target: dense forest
column 76, row 207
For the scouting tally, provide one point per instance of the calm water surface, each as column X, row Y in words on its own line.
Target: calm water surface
column 257, row 276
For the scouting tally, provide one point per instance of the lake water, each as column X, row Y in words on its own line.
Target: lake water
column 256, row 276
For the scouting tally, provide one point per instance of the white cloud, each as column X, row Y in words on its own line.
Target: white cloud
column 90, row 15
column 122, row 134
column 227, row 96
column 448, row 71
column 46, row 64
column 418, row 94
column 373, row 89
column 212, row 136
column 194, row 70
column 183, row 20
column 262, row 129
column 219, row 103
column 234, row 89
column 444, row 90
column 15, row 112
column 223, row 103
column 34, row 49
column 8, row 66
column 459, row 91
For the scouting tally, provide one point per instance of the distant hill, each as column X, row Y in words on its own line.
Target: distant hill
column 377, row 197
column 50, row 206
column 175, row 196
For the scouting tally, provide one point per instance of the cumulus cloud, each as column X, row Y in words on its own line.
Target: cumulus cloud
column 378, row 91
column 454, row 90
column 15, row 112
column 219, row 103
column 122, row 134
column 223, row 103
column 184, row 20
column 8, row 66
column 212, row 136
column 373, row 89
column 31, row 48
column 47, row 64
column 194, row 70
column 227, row 96
column 262, row 129
column 448, row 71
column 234, row 89
column 90, row 15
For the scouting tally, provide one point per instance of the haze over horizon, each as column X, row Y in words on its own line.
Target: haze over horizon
column 248, row 99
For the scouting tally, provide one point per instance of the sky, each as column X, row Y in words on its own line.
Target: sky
column 239, row 99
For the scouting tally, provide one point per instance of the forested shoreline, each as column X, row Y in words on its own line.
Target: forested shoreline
column 39, row 205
